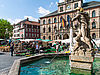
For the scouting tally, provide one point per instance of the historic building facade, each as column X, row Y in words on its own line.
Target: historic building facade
column 51, row 26
column 26, row 30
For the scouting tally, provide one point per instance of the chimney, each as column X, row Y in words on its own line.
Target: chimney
column 27, row 19
column 38, row 21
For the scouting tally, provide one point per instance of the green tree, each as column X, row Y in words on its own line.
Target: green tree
column 5, row 29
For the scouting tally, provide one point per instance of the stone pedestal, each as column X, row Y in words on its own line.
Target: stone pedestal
column 81, row 61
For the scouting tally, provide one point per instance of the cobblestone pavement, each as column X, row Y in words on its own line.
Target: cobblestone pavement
column 6, row 62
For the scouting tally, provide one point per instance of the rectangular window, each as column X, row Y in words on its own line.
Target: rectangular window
column 61, row 9
column 32, row 26
column 29, row 34
column 26, row 25
column 35, row 35
column 18, row 35
column 26, row 34
column 32, row 30
column 37, row 30
column 29, row 29
column 75, row 5
column 32, row 35
column 26, row 30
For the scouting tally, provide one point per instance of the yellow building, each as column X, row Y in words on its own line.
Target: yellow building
column 51, row 26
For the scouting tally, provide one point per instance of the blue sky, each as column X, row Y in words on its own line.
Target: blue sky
column 17, row 10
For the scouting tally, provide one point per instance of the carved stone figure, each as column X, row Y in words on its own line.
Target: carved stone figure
column 83, row 22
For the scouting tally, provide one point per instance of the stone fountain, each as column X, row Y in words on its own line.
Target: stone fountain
column 82, row 55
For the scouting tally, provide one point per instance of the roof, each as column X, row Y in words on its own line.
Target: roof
column 53, row 13
column 86, row 5
column 26, row 21
column 91, row 4
column 32, row 22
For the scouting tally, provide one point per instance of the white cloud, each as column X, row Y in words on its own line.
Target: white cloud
column 56, row 3
column 15, row 21
column 61, row 1
column 51, row 4
column 31, row 18
column 42, row 11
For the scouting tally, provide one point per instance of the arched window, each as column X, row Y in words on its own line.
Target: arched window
column 49, row 21
column 49, row 29
column 68, row 19
column 44, row 30
column 93, row 36
column 54, row 20
column 66, row 36
column 74, row 35
column 43, row 21
column 44, row 37
column 60, row 37
column 56, row 37
column 49, row 37
column 93, row 25
column 61, row 19
column 61, row 27
column 93, row 13
column 55, row 29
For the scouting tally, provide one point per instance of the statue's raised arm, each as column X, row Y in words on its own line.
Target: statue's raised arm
column 76, row 17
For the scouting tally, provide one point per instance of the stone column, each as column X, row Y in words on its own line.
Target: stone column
column 71, row 39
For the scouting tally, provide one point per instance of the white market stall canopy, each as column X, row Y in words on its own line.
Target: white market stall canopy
column 27, row 40
column 65, row 41
column 1, row 39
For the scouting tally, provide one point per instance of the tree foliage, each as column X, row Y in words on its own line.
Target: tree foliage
column 5, row 29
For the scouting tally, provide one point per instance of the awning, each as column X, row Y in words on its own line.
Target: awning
column 39, row 39
column 1, row 39
column 46, row 40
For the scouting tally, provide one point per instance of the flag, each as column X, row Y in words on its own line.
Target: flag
column 69, row 21
column 63, row 22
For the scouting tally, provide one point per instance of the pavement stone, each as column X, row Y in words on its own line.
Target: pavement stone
column 6, row 61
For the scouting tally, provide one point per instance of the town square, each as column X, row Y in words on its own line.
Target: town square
column 51, row 37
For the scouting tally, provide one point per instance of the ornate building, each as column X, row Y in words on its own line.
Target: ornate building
column 26, row 30
column 51, row 26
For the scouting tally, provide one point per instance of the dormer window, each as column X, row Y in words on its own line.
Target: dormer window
column 93, row 13
column 68, row 7
column 61, row 19
column 55, row 20
column 43, row 21
column 49, row 21
column 68, row 0
column 75, row 5
column 61, row 9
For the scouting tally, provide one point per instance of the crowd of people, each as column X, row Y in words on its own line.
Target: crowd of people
column 36, row 47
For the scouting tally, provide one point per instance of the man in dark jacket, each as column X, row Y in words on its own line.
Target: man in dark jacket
column 12, row 48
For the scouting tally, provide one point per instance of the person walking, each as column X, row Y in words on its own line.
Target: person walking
column 12, row 48
column 57, row 48
column 37, row 48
